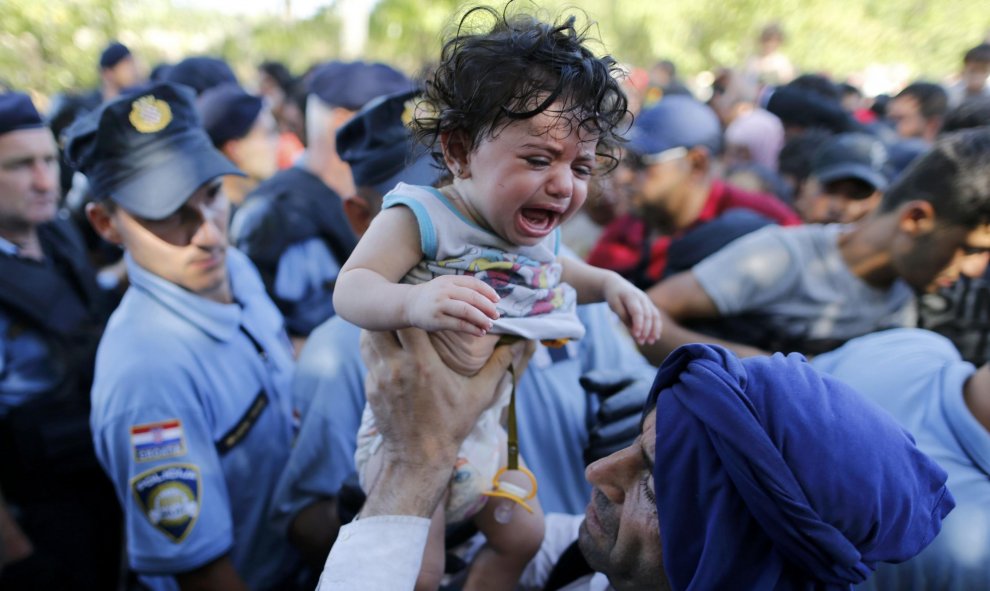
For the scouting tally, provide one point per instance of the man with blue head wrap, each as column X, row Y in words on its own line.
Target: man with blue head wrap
column 755, row 474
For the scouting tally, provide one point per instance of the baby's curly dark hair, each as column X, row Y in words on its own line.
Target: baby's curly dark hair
column 516, row 69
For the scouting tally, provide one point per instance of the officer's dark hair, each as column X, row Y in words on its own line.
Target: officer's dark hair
column 978, row 54
column 973, row 112
column 954, row 177
column 931, row 98
column 500, row 67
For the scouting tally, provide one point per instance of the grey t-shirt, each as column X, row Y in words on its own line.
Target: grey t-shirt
column 796, row 283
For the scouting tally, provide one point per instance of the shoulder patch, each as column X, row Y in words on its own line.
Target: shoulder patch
column 169, row 496
column 157, row 441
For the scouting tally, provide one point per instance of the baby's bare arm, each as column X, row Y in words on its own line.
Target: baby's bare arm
column 587, row 280
column 368, row 292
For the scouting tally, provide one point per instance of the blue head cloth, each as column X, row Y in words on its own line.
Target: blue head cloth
column 770, row 475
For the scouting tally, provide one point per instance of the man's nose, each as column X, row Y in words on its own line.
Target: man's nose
column 613, row 474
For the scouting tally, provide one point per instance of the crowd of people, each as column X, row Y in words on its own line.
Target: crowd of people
column 533, row 320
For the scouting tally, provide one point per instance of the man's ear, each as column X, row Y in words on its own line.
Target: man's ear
column 358, row 214
column 916, row 218
column 455, row 147
column 230, row 149
column 103, row 223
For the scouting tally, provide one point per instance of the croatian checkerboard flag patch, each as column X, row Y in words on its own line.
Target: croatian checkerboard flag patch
column 156, row 441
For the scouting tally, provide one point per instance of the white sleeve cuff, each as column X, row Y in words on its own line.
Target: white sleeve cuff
column 383, row 552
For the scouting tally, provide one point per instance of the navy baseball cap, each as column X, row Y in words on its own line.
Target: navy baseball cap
column 677, row 121
column 146, row 151
column 113, row 54
column 381, row 149
column 200, row 73
column 351, row 85
column 17, row 112
column 852, row 156
column 227, row 112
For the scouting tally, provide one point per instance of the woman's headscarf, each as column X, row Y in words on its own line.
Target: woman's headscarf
column 770, row 475
column 762, row 133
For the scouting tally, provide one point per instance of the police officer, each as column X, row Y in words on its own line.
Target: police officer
column 191, row 415
column 51, row 318
column 293, row 226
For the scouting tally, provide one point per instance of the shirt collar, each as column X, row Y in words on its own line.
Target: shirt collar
column 8, row 247
column 219, row 321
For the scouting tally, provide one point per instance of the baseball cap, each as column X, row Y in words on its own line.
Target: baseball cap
column 677, row 121
column 852, row 156
column 17, row 112
column 228, row 112
column 146, row 151
column 113, row 54
column 381, row 149
column 351, row 85
column 200, row 73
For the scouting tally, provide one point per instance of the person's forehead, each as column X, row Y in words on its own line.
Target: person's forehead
column 557, row 125
column 26, row 141
column 648, row 437
column 978, row 238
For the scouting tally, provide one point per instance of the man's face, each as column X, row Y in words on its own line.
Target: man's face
column 659, row 187
column 257, row 152
column 620, row 536
column 28, row 179
column 188, row 248
column 842, row 201
column 904, row 113
column 975, row 75
column 937, row 259
column 125, row 73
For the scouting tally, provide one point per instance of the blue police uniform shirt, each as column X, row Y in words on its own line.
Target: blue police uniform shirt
column 918, row 376
column 306, row 272
column 192, row 421
column 553, row 412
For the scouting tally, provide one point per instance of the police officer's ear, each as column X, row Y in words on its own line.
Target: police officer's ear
column 100, row 215
column 360, row 209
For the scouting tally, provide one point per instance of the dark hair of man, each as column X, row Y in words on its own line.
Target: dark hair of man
column 973, row 112
column 931, row 98
column 278, row 72
column 978, row 54
column 513, row 69
column 954, row 177
column 818, row 84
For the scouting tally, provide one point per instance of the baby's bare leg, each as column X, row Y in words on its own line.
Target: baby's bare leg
column 510, row 546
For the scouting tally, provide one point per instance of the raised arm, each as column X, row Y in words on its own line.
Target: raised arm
column 368, row 292
column 681, row 298
column 410, row 390
column 634, row 308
